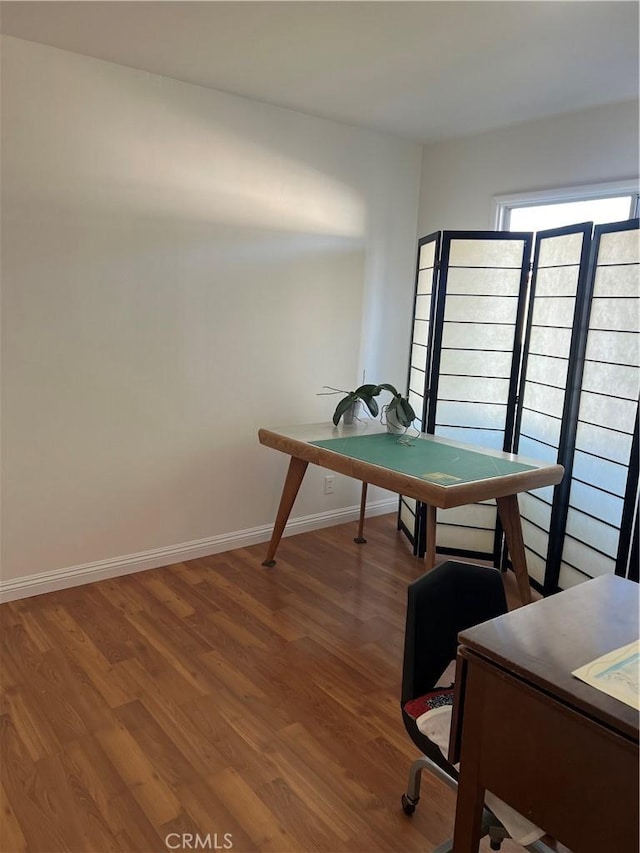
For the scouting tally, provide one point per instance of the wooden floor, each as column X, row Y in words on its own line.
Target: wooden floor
column 216, row 697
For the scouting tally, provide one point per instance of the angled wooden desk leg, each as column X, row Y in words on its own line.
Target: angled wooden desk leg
column 509, row 513
column 297, row 468
column 363, row 505
column 430, row 554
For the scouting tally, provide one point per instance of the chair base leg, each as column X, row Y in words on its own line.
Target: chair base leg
column 415, row 773
column 411, row 798
column 409, row 804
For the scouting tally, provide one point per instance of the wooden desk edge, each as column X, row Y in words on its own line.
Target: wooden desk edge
column 436, row 495
column 590, row 702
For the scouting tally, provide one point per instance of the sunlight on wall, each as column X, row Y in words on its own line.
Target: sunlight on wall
column 214, row 176
column 179, row 152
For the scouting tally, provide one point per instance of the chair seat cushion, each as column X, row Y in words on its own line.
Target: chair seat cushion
column 436, row 699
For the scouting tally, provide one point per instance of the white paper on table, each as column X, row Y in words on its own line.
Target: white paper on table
column 617, row 673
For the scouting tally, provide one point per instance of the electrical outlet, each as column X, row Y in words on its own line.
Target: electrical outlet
column 328, row 484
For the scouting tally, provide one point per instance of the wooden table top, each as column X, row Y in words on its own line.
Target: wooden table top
column 436, row 470
column 544, row 642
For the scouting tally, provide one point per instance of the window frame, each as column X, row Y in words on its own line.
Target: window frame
column 504, row 204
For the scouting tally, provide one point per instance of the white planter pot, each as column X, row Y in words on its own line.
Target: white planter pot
column 393, row 424
column 351, row 413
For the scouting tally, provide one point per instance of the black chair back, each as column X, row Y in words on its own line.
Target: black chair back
column 448, row 599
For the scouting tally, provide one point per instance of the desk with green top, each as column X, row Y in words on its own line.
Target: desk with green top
column 437, row 471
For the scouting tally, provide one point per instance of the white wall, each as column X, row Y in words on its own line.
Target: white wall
column 460, row 177
column 179, row 267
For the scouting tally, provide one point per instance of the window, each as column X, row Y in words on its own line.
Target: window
column 538, row 211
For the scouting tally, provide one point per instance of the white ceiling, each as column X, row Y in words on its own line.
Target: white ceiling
column 424, row 70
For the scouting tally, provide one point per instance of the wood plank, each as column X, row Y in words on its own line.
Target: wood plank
column 140, row 775
column 11, row 837
column 258, row 821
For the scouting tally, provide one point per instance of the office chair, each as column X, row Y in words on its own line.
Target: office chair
column 445, row 601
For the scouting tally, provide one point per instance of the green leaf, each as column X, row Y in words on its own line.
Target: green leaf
column 365, row 391
column 343, row 405
column 371, row 404
column 384, row 386
column 405, row 412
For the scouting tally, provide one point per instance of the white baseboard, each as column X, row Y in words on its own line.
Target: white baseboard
column 25, row 587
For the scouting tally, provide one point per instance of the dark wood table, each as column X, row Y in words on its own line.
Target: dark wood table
column 559, row 751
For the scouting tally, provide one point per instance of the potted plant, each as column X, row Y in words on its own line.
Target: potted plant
column 398, row 414
column 347, row 408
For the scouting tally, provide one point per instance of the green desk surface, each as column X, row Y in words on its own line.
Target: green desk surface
column 431, row 461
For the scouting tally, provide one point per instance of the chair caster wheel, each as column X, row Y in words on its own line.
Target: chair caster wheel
column 408, row 805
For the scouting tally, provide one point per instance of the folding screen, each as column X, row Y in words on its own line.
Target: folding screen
column 569, row 394
column 410, row 512
column 463, row 375
column 545, row 425
column 603, row 495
